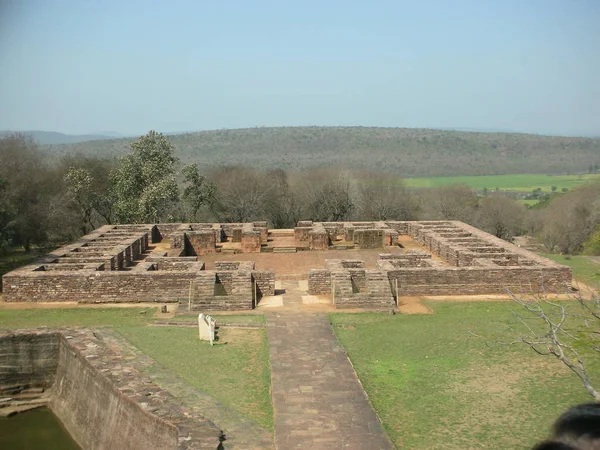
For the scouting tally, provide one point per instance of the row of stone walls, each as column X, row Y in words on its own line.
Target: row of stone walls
column 170, row 263
column 480, row 280
column 102, row 287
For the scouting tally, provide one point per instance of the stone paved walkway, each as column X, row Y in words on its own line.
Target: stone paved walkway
column 240, row 433
column 318, row 401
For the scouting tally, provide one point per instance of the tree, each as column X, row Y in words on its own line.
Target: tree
column 79, row 182
column 240, row 194
column 327, row 195
column 501, row 216
column 570, row 219
column 559, row 330
column 6, row 217
column 198, row 192
column 454, row 202
column 384, row 197
column 28, row 188
column 143, row 185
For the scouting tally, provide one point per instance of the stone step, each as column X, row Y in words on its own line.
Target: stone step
column 292, row 276
column 284, row 249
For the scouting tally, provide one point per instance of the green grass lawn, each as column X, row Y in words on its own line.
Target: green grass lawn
column 239, row 374
column 584, row 268
column 235, row 370
column 521, row 183
column 225, row 319
column 435, row 386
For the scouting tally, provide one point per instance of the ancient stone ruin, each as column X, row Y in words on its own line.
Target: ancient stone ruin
column 166, row 263
column 101, row 400
column 454, row 259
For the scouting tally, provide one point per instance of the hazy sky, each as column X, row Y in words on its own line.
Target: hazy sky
column 80, row 66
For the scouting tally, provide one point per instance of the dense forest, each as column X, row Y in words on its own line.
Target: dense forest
column 47, row 201
column 404, row 152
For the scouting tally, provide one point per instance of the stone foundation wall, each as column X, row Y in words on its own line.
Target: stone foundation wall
column 265, row 282
column 319, row 281
column 200, row 242
column 28, row 359
column 99, row 287
column 223, row 291
column 369, row 238
column 301, row 234
column 375, row 292
column 251, row 239
column 318, row 238
column 479, row 280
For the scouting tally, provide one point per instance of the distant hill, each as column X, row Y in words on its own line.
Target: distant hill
column 54, row 138
column 407, row 152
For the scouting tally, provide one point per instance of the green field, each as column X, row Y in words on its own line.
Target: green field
column 436, row 386
column 585, row 269
column 239, row 374
column 520, row 183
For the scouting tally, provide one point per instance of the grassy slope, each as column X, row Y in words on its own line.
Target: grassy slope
column 403, row 151
column 437, row 387
column 235, row 370
column 239, row 363
column 584, row 269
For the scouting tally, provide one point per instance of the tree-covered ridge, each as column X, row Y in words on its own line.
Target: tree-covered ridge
column 406, row 152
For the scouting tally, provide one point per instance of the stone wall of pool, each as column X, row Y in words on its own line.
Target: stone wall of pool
column 102, row 402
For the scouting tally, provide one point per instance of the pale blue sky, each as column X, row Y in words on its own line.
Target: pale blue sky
column 80, row 66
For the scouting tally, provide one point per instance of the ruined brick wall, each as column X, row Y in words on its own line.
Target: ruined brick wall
column 301, row 234
column 234, row 265
column 318, row 238
column 265, row 282
column 201, row 242
column 223, row 291
column 479, row 280
column 374, row 294
column 251, row 239
column 319, row 281
column 28, row 359
column 103, row 287
column 369, row 238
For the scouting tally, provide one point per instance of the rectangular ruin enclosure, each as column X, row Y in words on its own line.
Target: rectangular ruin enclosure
column 147, row 263
column 165, row 263
column 452, row 259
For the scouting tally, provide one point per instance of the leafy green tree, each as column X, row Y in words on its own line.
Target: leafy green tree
column 28, row 190
column 6, row 217
column 79, row 188
column 198, row 192
column 143, row 184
